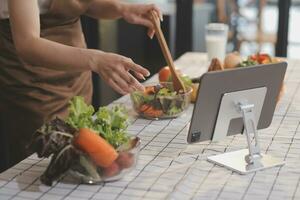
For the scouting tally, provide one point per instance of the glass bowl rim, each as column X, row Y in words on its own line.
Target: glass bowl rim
column 189, row 89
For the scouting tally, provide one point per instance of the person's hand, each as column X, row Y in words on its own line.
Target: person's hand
column 140, row 14
column 114, row 69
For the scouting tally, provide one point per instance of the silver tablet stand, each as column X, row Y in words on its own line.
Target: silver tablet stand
column 248, row 105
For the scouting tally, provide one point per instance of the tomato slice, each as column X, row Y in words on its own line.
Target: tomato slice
column 144, row 107
column 152, row 112
column 149, row 90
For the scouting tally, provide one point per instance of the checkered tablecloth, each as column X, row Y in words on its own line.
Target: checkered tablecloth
column 169, row 168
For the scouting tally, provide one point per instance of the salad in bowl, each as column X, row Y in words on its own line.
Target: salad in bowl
column 160, row 101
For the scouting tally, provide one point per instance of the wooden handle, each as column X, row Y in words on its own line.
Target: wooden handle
column 162, row 40
column 178, row 85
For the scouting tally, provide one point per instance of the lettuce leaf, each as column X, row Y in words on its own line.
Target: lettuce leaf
column 110, row 123
column 166, row 92
column 80, row 114
column 187, row 81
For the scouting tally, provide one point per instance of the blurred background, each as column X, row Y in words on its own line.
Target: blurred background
column 267, row 26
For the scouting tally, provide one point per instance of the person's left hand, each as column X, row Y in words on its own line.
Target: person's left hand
column 140, row 14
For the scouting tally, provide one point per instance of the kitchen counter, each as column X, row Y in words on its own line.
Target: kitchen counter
column 169, row 168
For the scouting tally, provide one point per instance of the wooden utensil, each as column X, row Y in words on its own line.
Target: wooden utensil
column 177, row 82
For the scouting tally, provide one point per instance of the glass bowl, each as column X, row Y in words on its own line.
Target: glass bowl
column 87, row 172
column 152, row 104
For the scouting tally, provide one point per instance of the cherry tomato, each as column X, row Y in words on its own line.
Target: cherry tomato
column 125, row 160
column 164, row 74
column 261, row 58
column 152, row 112
column 112, row 170
column 253, row 57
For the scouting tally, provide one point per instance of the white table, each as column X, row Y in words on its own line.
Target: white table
column 168, row 168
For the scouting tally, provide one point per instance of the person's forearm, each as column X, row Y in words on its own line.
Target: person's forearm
column 105, row 9
column 221, row 10
column 56, row 56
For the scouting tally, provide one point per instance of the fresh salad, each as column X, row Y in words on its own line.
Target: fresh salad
column 165, row 75
column 160, row 101
column 234, row 59
column 94, row 146
column 256, row 59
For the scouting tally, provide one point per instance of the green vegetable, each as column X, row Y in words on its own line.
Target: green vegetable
column 247, row 63
column 119, row 118
column 187, row 81
column 111, row 124
column 139, row 97
column 174, row 110
column 80, row 114
column 166, row 92
column 90, row 167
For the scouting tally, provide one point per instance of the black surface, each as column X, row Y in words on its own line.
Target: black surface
column 134, row 43
column 90, row 29
column 184, row 27
column 4, row 153
column 283, row 27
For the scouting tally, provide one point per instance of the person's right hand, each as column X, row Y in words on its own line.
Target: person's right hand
column 114, row 69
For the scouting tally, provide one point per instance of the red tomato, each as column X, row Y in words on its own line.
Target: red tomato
column 112, row 170
column 125, row 160
column 261, row 58
column 253, row 57
column 164, row 74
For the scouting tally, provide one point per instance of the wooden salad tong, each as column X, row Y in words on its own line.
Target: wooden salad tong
column 177, row 82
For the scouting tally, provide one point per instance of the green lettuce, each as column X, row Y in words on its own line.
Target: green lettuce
column 110, row 123
column 80, row 114
column 166, row 92
column 187, row 81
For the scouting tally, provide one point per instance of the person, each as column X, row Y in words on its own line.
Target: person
column 44, row 63
column 223, row 10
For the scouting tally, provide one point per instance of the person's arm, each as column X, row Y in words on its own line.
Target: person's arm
column 221, row 11
column 105, row 9
column 25, row 26
column 133, row 13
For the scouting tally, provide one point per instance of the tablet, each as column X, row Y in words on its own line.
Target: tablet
column 213, row 86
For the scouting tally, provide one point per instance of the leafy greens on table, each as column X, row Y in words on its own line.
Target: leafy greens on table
column 55, row 138
column 111, row 124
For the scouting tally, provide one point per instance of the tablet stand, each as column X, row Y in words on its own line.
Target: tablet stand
column 248, row 105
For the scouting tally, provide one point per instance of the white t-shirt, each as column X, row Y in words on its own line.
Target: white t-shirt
column 43, row 5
